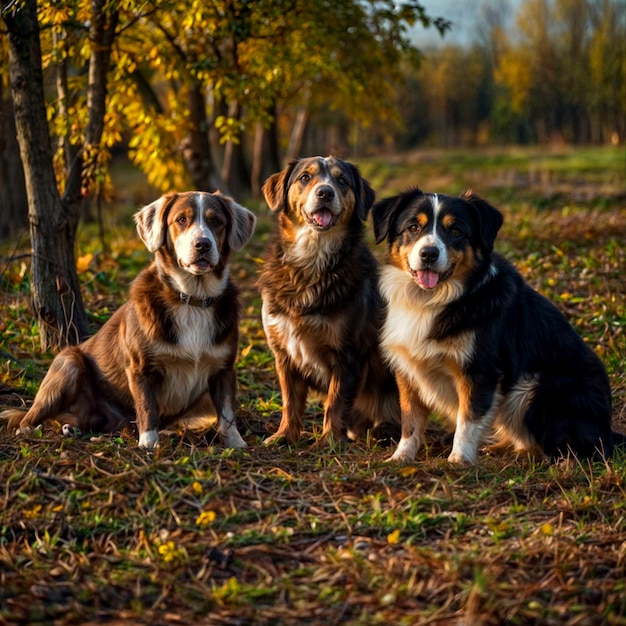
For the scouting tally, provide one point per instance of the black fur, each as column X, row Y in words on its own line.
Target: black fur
column 329, row 303
column 517, row 333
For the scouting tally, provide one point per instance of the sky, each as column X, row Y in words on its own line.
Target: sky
column 464, row 15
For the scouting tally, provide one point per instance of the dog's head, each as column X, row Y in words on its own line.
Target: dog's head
column 437, row 238
column 319, row 193
column 197, row 230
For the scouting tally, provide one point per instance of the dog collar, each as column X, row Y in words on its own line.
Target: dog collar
column 204, row 303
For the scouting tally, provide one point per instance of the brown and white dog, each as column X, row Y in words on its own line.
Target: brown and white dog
column 168, row 353
column 470, row 340
column 322, row 310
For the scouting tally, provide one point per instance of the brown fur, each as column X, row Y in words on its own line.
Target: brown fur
column 168, row 353
column 322, row 311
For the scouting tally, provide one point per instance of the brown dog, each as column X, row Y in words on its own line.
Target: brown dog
column 168, row 353
column 322, row 311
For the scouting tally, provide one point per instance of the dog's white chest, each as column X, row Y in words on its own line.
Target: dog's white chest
column 195, row 328
column 407, row 345
column 190, row 363
column 302, row 343
column 409, row 324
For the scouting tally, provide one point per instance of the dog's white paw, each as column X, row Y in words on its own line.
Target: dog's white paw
column 27, row 430
column 70, row 431
column 405, row 452
column 233, row 439
column 462, row 459
column 149, row 439
column 400, row 458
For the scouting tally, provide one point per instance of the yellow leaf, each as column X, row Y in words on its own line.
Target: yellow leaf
column 34, row 512
column 83, row 262
column 393, row 537
column 205, row 518
column 196, row 486
column 246, row 351
column 547, row 529
column 408, row 470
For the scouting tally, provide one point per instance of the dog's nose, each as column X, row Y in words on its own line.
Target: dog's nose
column 429, row 254
column 202, row 245
column 325, row 193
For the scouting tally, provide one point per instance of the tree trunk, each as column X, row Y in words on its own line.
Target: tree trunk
column 13, row 202
column 297, row 134
column 234, row 169
column 102, row 30
column 55, row 290
column 265, row 157
column 197, row 149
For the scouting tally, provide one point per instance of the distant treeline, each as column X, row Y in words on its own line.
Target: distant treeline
column 220, row 94
column 557, row 74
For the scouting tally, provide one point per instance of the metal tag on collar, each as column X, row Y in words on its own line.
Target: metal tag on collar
column 205, row 303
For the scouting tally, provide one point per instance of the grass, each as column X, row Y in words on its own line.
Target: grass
column 95, row 530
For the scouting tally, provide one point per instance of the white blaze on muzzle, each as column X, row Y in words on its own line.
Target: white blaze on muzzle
column 196, row 248
column 428, row 258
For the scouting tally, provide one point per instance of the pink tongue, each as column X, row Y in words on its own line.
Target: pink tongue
column 323, row 218
column 427, row 278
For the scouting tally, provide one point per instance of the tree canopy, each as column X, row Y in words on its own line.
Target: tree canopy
column 188, row 77
column 176, row 82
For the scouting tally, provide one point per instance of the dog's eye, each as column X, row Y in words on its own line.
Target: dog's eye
column 414, row 229
column 181, row 219
column 342, row 180
column 456, row 232
column 305, row 178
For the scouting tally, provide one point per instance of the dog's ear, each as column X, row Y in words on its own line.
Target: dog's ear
column 490, row 220
column 276, row 186
column 244, row 222
column 385, row 212
column 151, row 222
column 382, row 213
column 363, row 191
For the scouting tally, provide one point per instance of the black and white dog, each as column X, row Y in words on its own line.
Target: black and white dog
column 470, row 340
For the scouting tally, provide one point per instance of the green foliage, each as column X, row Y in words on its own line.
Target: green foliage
column 242, row 56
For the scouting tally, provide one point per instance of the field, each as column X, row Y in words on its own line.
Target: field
column 94, row 530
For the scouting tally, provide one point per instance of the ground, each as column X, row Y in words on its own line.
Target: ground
column 95, row 530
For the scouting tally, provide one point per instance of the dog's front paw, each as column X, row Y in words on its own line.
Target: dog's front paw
column 149, row 439
column 282, row 438
column 461, row 459
column 405, row 452
column 27, row 430
column 234, row 440
column 275, row 440
column 400, row 457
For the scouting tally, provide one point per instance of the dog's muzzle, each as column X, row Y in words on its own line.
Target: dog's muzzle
column 429, row 274
column 321, row 216
column 200, row 260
